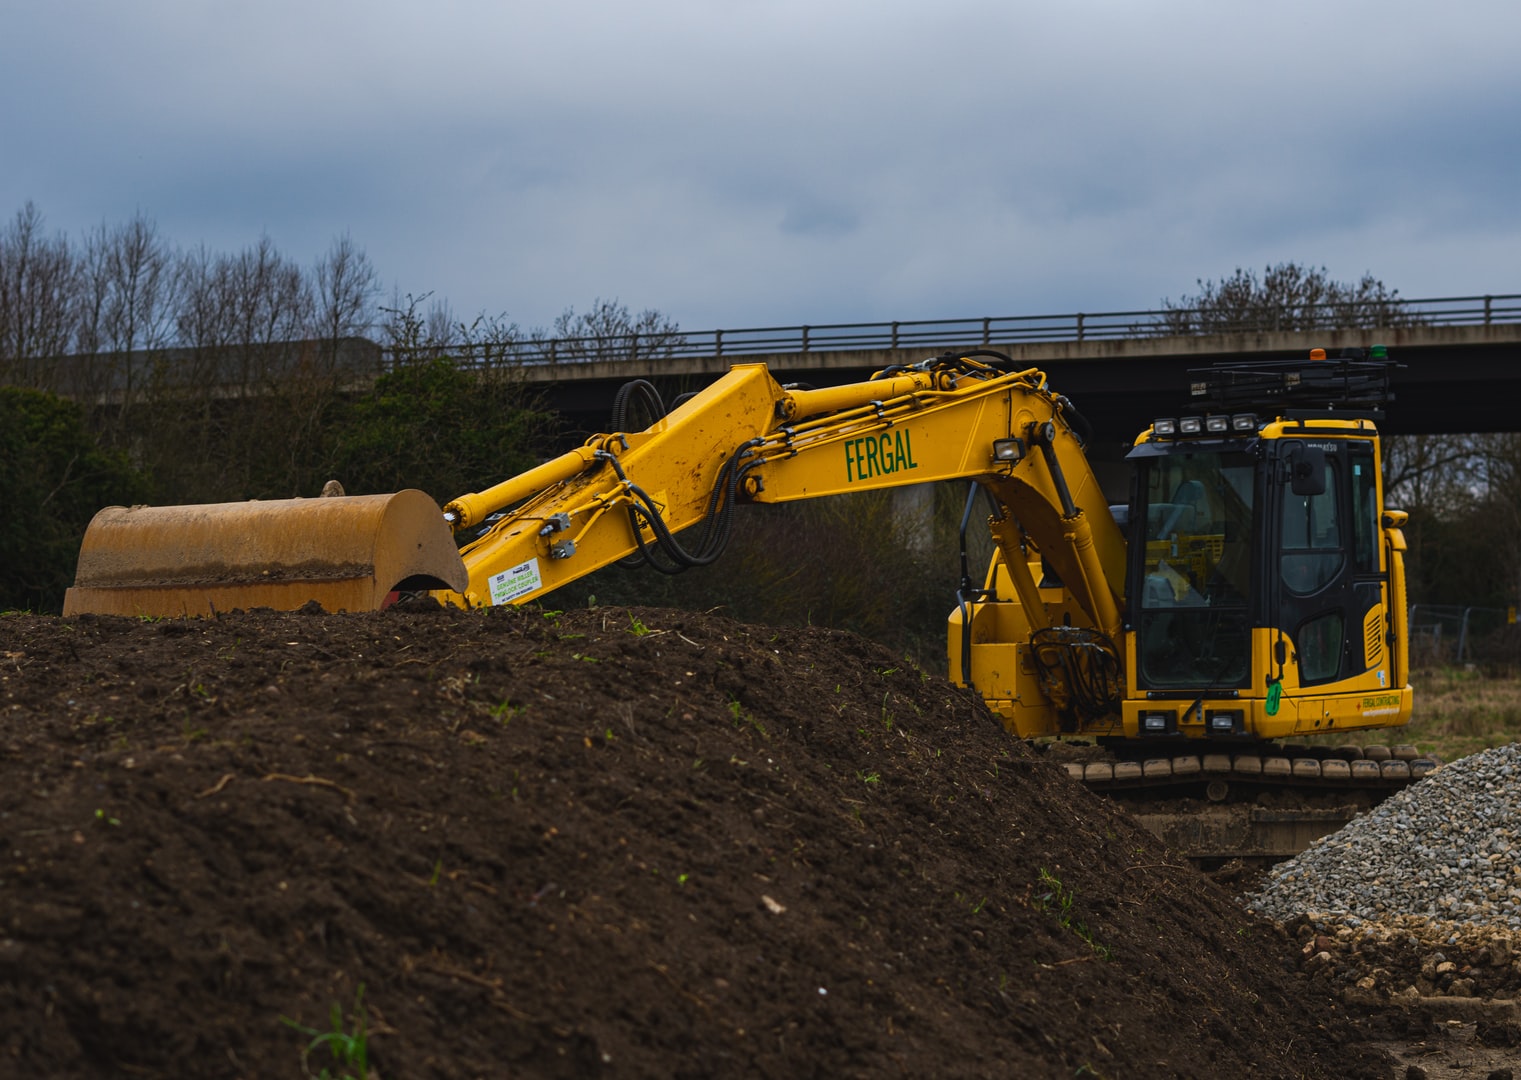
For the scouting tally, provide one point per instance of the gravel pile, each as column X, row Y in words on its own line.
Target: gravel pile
column 1444, row 848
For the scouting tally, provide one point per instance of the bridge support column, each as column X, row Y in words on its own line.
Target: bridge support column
column 914, row 509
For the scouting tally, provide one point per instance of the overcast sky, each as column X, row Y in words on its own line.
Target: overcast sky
column 738, row 163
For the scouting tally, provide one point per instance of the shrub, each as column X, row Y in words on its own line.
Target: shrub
column 53, row 478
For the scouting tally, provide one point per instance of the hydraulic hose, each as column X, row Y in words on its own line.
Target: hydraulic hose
column 637, row 392
column 717, row 524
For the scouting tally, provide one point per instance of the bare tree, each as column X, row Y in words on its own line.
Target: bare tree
column 127, row 315
column 38, row 276
column 418, row 328
column 201, row 317
column 250, row 384
column 271, row 308
column 1498, row 508
column 417, row 331
column 609, row 332
column 1429, row 474
column 1287, row 297
column 345, row 287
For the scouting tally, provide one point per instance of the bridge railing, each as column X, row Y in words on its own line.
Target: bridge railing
column 987, row 331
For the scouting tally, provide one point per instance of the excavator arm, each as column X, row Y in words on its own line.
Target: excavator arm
column 667, row 492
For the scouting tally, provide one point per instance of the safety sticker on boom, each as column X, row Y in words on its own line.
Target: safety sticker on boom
column 517, row 581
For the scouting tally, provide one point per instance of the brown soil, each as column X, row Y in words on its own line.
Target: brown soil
column 607, row 842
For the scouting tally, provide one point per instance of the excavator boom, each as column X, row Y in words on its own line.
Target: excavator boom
column 666, row 493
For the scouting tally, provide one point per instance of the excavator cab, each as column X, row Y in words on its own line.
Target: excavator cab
column 1267, row 581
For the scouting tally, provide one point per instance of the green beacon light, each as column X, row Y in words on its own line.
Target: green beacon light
column 1378, row 352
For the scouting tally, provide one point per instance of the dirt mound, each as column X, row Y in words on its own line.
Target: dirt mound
column 634, row 843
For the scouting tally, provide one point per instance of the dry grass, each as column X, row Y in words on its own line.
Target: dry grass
column 1460, row 711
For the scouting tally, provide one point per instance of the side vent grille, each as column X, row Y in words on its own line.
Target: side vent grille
column 1373, row 637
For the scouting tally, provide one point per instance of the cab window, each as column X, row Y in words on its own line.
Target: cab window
column 1311, row 542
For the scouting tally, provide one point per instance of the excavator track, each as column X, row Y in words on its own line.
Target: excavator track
column 1374, row 767
column 1249, row 807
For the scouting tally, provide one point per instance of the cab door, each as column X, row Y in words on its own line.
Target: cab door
column 1328, row 579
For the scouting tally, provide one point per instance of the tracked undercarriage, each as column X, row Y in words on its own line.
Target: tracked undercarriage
column 1257, row 805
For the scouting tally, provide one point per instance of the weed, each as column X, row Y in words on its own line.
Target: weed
column 506, row 711
column 1058, row 900
column 739, row 717
column 438, row 869
column 348, row 1049
column 974, row 906
column 583, row 657
column 101, row 815
column 635, row 626
column 868, row 778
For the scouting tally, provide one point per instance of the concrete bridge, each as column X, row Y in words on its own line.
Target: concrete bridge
column 1461, row 360
column 1454, row 378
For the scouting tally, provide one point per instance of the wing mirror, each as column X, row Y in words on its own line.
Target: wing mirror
column 1307, row 470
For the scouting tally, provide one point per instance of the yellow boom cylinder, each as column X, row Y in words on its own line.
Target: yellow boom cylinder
column 474, row 508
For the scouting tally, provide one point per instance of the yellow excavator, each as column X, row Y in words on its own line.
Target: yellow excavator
column 1251, row 589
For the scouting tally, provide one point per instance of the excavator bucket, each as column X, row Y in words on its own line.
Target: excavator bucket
column 346, row 553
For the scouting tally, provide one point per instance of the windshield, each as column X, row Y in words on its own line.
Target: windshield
column 1194, row 569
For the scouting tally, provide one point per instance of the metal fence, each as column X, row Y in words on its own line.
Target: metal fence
column 1453, row 634
column 987, row 331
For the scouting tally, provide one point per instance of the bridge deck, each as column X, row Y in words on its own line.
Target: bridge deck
column 1453, row 379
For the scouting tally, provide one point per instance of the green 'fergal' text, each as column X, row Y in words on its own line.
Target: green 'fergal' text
column 878, row 455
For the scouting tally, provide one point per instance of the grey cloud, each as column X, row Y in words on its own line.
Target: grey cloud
column 778, row 162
